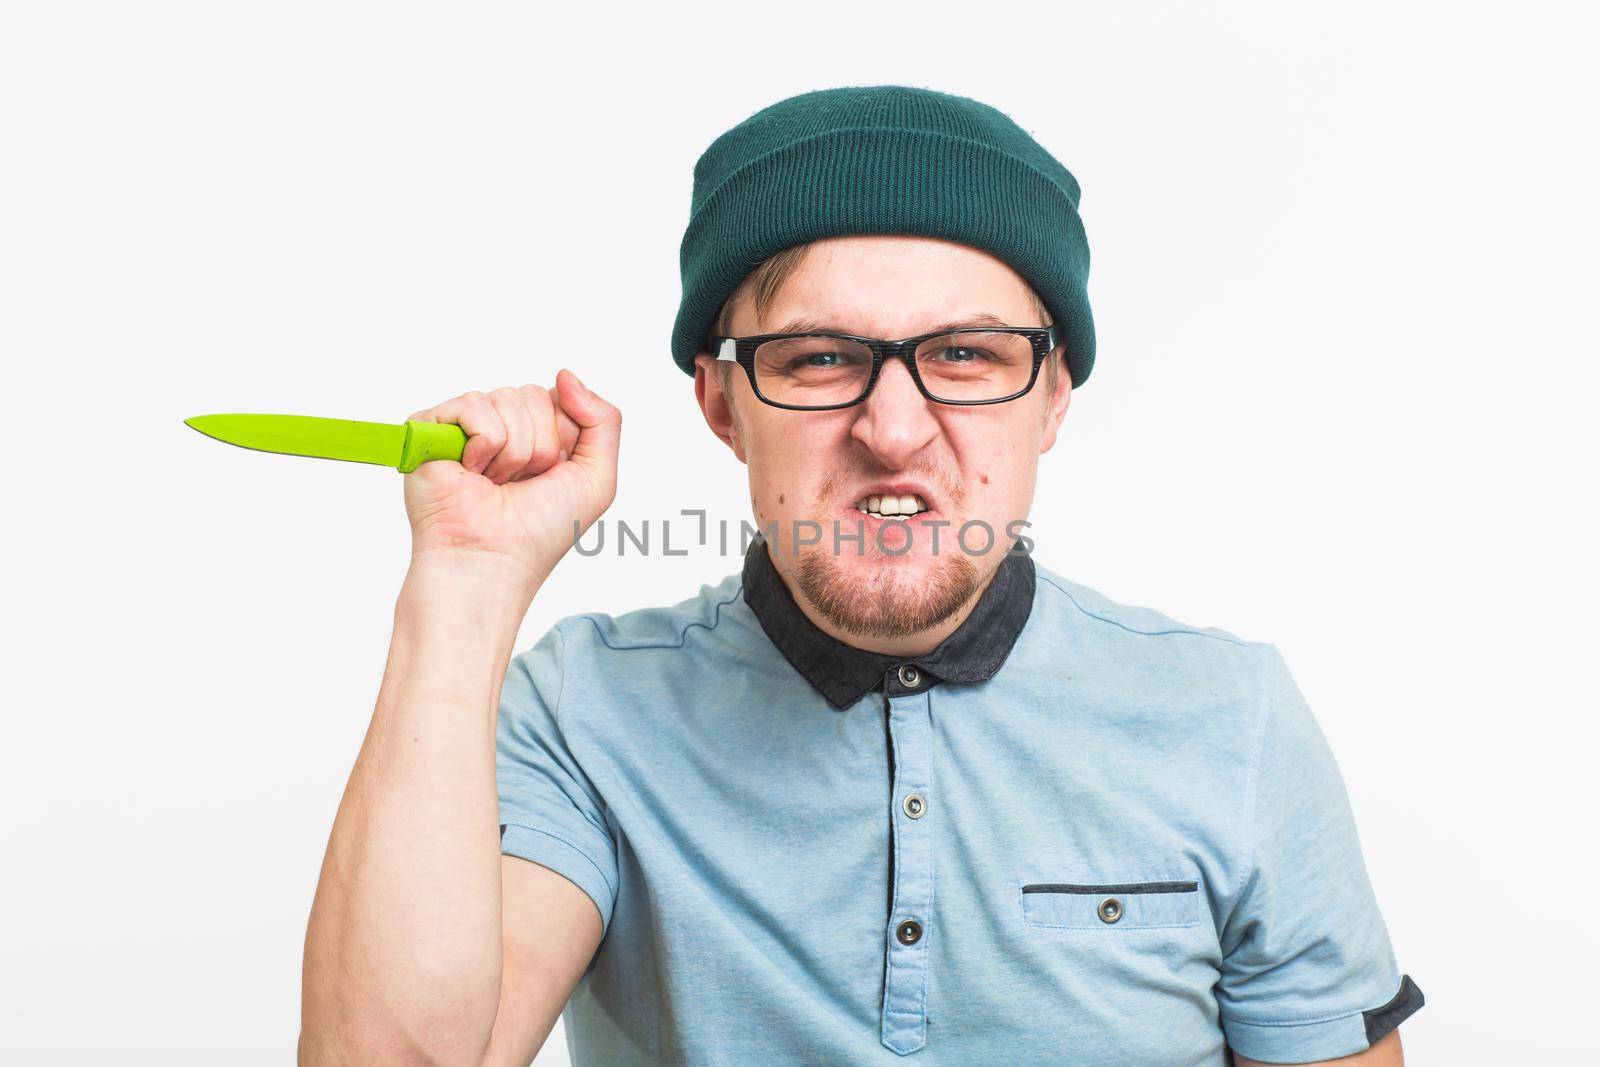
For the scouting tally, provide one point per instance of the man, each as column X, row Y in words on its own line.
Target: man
column 891, row 789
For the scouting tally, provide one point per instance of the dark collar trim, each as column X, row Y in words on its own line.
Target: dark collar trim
column 843, row 673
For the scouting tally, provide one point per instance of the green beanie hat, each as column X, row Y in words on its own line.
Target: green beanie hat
column 882, row 159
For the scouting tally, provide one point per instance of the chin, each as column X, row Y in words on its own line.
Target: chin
column 880, row 595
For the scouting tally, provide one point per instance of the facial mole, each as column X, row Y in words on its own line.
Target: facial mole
column 780, row 498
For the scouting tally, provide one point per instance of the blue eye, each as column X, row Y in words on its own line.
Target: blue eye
column 967, row 355
column 823, row 361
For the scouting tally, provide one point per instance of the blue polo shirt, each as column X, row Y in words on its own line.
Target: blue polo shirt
column 1078, row 832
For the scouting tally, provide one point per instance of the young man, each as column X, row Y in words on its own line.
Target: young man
column 890, row 790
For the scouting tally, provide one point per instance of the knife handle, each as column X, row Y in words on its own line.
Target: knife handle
column 430, row 440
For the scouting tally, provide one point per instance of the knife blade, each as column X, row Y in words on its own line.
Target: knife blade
column 403, row 446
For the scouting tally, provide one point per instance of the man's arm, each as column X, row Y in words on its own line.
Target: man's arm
column 1386, row 1053
column 425, row 944
column 552, row 929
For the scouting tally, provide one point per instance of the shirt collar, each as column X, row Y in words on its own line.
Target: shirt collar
column 843, row 673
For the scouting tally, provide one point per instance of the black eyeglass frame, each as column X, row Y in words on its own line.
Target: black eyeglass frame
column 742, row 350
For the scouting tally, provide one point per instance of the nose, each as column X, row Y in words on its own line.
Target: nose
column 895, row 421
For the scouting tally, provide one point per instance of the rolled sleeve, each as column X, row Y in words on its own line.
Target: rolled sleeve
column 1308, row 971
column 550, row 812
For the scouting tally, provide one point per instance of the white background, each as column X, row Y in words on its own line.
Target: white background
column 1344, row 279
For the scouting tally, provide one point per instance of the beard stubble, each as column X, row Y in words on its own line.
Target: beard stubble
column 886, row 603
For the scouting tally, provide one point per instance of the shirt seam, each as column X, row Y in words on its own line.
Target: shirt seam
column 683, row 635
column 894, row 831
column 555, row 714
column 1143, row 633
column 1253, row 789
column 561, row 662
column 580, row 850
column 1291, row 1022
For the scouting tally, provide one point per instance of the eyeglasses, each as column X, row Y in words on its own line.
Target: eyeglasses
column 823, row 371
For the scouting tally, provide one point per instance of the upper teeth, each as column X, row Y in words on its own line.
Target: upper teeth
column 891, row 505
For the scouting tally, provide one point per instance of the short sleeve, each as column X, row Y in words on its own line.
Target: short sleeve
column 1308, row 972
column 550, row 812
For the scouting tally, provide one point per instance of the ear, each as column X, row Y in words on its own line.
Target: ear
column 1059, row 399
column 716, row 405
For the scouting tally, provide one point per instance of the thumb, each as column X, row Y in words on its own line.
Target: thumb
column 599, row 423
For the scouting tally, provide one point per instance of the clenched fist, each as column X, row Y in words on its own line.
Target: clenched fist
column 536, row 460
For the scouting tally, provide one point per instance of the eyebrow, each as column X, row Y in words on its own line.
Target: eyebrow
column 810, row 325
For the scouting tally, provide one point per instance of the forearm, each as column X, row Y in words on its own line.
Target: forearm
column 403, row 948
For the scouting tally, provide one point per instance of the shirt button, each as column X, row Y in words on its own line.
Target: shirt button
column 909, row 932
column 910, row 676
column 914, row 806
column 1110, row 910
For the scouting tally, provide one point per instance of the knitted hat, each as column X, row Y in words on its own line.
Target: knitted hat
column 882, row 159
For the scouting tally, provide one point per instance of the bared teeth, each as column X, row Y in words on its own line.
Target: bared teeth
column 891, row 504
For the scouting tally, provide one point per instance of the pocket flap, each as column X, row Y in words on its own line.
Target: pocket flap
column 1111, row 905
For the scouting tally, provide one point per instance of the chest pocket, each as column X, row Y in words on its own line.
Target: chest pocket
column 1111, row 906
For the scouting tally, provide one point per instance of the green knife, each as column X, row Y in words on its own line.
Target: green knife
column 404, row 446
